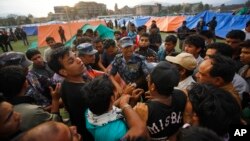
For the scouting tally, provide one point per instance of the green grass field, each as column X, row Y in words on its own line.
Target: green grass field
column 19, row 46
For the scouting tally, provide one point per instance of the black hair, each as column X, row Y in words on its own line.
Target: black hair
column 196, row 41
column 12, row 79
column 84, row 39
column 245, row 44
column 49, row 38
column 97, row 40
column 89, row 31
column 140, row 28
column 32, row 52
column 196, row 133
column 206, row 33
column 221, row 48
column 248, row 23
column 55, row 57
column 222, row 67
column 171, row 38
column 109, row 43
column 57, row 45
column 117, row 32
column 123, row 28
column 98, row 94
column 145, row 35
column 216, row 108
column 236, row 34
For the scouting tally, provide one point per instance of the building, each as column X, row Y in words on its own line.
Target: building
column 90, row 9
column 143, row 10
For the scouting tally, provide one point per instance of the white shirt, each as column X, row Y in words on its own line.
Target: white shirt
column 185, row 83
column 247, row 34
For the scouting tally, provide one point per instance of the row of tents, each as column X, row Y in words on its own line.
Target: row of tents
column 226, row 22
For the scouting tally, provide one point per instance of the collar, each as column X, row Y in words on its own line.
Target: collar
column 100, row 120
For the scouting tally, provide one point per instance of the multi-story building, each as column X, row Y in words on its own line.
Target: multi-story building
column 90, row 9
column 147, row 9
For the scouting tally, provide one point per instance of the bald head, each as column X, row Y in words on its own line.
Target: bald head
column 52, row 130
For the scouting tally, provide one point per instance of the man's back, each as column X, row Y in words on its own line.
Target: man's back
column 76, row 105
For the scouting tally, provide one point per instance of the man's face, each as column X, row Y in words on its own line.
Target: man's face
column 203, row 76
column 144, row 42
column 117, row 36
column 169, row 46
column 192, row 50
column 9, row 120
column 88, row 59
column 245, row 55
column 99, row 47
column 50, row 43
column 111, row 50
column 127, row 51
column 72, row 65
column 210, row 52
column 234, row 43
column 38, row 60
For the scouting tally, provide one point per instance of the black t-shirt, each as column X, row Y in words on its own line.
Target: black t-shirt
column 164, row 120
column 76, row 106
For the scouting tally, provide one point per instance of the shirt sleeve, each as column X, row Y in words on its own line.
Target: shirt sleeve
column 114, row 68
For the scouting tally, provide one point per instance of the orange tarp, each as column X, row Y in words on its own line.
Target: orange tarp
column 70, row 30
column 169, row 23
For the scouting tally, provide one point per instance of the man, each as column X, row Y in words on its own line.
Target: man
column 195, row 45
column 35, row 90
column 98, row 45
column 186, row 63
column 164, row 111
column 51, row 131
column 238, row 82
column 9, row 121
column 40, row 75
column 218, row 71
column 212, row 108
column 86, row 53
column 168, row 48
column 182, row 33
column 130, row 66
column 247, row 30
column 103, row 117
column 154, row 38
column 234, row 38
column 39, row 65
column 13, row 85
column 145, row 50
column 200, row 25
column 245, row 59
column 62, row 34
column 65, row 63
column 211, row 27
column 50, row 42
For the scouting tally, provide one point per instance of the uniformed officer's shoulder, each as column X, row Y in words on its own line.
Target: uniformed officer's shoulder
column 119, row 55
column 139, row 57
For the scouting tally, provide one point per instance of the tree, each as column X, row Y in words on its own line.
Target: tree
column 248, row 3
column 206, row 7
column 200, row 7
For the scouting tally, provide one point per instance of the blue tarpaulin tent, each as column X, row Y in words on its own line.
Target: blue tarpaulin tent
column 30, row 30
column 225, row 21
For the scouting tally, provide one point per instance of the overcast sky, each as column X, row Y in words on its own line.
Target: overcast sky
column 39, row 8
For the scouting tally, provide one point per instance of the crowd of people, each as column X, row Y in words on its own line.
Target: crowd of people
column 7, row 37
column 132, row 87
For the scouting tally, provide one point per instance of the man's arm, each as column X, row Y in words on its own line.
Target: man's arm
column 137, row 128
